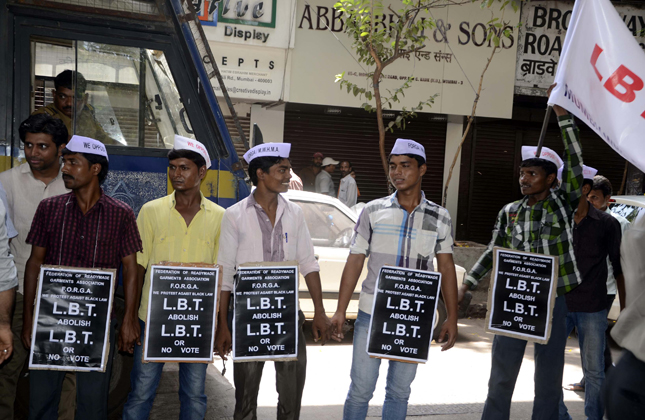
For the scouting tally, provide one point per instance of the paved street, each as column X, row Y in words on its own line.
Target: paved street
column 451, row 385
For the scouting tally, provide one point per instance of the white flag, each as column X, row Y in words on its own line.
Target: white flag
column 600, row 78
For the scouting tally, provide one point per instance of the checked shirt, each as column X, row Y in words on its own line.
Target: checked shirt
column 546, row 227
column 389, row 235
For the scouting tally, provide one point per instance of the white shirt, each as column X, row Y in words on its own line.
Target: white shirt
column 324, row 183
column 629, row 331
column 347, row 191
column 241, row 239
column 8, row 273
column 24, row 193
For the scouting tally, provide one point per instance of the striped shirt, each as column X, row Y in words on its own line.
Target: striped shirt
column 389, row 235
column 547, row 226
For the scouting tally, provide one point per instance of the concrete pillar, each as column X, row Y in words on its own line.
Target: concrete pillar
column 270, row 121
column 454, row 133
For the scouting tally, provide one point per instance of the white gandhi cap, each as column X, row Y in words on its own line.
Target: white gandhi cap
column 268, row 149
column 408, row 147
column 184, row 143
column 528, row 152
column 80, row 144
column 588, row 172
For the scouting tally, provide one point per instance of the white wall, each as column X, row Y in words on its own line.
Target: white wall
column 454, row 133
column 270, row 121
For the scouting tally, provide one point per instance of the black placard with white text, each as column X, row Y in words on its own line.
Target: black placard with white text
column 265, row 323
column 403, row 314
column 522, row 295
column 72, row 319
column 182, row 310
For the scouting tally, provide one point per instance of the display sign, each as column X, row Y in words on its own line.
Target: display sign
column 541, row 39
column 182, row 313
column 522, row 295
column 453, row 58
column 72, row 319
column 265, row 322
column 403, row 314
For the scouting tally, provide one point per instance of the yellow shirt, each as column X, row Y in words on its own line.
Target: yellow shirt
column 166, row 237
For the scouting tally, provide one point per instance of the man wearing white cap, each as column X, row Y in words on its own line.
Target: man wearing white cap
column 541, row 222
column 596, row 237
column 84, row 228
column 403, row 230
column 324, row 182
column 183, row 227
column 265, row 227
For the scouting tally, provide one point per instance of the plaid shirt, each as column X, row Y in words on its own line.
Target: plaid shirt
column 100, row 238
column 546, row 227
column 389, row 235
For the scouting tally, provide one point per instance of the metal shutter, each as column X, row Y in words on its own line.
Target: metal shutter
column 355, row 137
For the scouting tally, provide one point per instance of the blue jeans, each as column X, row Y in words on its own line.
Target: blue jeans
column 591, row 335
column 144, row 380
column 549, row 363
column 364, row 375
column 92, row 389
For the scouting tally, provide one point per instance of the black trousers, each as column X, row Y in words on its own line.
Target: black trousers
column 624, row 389
column 290, row 381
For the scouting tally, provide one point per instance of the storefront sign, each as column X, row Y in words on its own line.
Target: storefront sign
column 403, row 314
column 264, row 23
column 265, row 322
column 72, row 319
column 456, row 46
column 522, row 295
column 250, row 73
column 541, row 37
column 182, row 313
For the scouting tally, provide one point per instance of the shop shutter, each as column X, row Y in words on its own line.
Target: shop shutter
column 493, row 159
column 355, row 138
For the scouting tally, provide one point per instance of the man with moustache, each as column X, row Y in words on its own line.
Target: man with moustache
column 402, row 230
column 183, row 227
column 71, row 107
column 265, row 227
column 347, row 190
column 44, row 138
column 308, row 174
column 541, row 222
column 84, row 228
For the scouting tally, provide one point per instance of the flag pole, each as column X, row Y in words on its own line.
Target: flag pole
column 545, row 125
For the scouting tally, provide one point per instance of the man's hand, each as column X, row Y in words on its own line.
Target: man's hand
column 337, row 323
column 559, row 111
column 450, row 328
column 321, row 327
column 6, row 342
column 129, row 335
column 26, row 334
column 223, row 341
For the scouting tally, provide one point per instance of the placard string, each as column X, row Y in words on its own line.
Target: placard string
column 62, row 234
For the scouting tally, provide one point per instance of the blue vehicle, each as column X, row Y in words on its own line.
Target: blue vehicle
column 147, row 69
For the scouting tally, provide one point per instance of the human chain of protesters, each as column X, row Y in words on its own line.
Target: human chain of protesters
column 185, row 259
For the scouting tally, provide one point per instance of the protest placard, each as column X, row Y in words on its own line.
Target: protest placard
column 265, row 321
column 522, row 295
column 72, row 319
column 403, row 314
column 182, row 313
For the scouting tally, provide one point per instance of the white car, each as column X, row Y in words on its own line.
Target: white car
column 632, row 208
column 331, row 226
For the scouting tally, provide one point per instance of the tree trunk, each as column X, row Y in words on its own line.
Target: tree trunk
column 635, row 181
column 381, row 126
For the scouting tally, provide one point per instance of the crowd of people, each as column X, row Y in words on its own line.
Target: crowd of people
column 55, row 212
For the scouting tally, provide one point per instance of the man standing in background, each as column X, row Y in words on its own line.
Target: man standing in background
column 347, row 190
column 308, row 174
column 324, row 182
